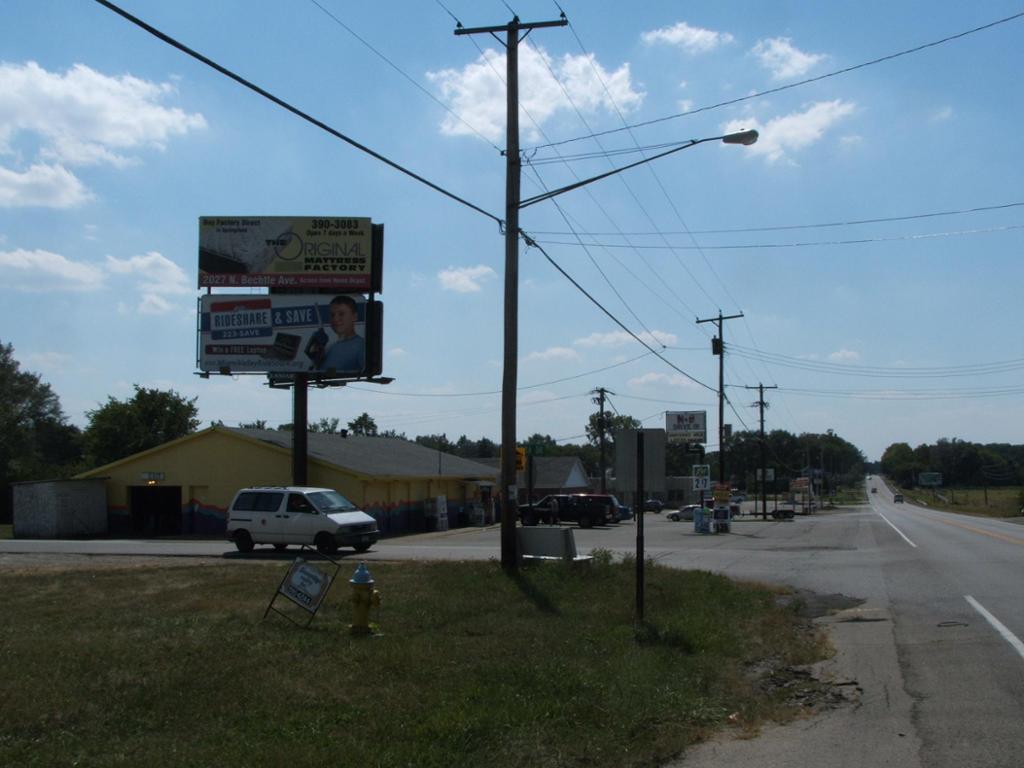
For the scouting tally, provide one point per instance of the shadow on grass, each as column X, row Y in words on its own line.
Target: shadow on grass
column 534, row 594
column 666, row 637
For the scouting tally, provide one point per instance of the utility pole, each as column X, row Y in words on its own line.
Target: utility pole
column 509, row 554
column 764, row 469
column 602, row 428
column 718, row 348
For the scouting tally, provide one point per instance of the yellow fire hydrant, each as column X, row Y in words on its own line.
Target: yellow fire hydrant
column 364, row 597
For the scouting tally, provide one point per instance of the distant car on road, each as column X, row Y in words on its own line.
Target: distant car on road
column 585, row 509
column 654, row 505
column 685, row 513
column 897, row 498
column 874, row 490
column 737, row 498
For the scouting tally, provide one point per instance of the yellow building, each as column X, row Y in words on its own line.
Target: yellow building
column 185, row 486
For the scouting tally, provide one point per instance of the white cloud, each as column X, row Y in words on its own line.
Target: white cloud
column 152, row 304
column 49, row 186
column 618, row 338
column 684, row 105
column 396, row 352
column 555, row 353
column 40, row 270
column 784, row 61
column 672, row 380
column 465, row 279
column 79, row 118
column 477, row 91
column 788, row 133
column 691, row 39
column 47, row 362
column 941, row 115
column 158, row 273
column 851, row 140
column 844, row 356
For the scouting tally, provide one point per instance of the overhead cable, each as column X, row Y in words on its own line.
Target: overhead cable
column 294, row 110
column 781, row 88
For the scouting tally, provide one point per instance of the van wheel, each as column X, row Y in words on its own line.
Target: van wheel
column 586, row 521
column 361, row 547
column 243, row 541
column 280, row 547
column 325, row 544
column 529, row 520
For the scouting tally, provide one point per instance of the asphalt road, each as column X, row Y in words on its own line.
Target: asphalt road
column 931, row 644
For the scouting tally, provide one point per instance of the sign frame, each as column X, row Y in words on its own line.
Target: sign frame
column 686, row 426
column 701, row 477
column 294, row 587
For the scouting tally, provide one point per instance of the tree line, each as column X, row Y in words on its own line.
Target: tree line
column 39, row 443
column 961, row 463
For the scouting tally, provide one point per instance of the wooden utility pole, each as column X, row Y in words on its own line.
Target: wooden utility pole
column 764, row 469
column 602, row 428
column 508, row 495
column 718, row 348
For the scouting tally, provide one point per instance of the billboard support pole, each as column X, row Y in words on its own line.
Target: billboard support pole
column 300, row 434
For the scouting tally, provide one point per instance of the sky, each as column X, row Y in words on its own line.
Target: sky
column 872, row 238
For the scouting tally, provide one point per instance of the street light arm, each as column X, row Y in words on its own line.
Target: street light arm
column 745, row 138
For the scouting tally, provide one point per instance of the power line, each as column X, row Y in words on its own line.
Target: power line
column 815, row 244
column 781, row 228
column 498, row 391
column 910, row 394
column 404, row 74
column 781, row 88
column 294, row 110
column 531, row 242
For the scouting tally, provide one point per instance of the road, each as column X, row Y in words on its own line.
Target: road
column 931, row 640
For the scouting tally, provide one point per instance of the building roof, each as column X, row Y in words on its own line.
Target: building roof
column 376, row 456
column 550, row 471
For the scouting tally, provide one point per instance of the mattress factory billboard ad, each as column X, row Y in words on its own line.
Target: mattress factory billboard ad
column 339, row 253
column 325, row 335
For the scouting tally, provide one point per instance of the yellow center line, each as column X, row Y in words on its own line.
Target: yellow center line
column 982, row 531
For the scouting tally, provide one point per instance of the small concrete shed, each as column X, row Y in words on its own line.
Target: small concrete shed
column 60, row 509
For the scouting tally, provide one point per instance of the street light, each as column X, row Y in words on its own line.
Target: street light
column 746, row 138
column 513, row 204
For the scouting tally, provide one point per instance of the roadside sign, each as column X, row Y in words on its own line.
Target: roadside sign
column 687, row 426
column 701, row 477
column 933, row 479
column 305, row 585
column 769, row 474
column 721, row 493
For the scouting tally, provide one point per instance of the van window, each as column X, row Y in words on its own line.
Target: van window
column 256, row 501
column 298, row 503
column 331, row 501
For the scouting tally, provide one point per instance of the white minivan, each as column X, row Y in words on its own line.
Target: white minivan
column 278, row 515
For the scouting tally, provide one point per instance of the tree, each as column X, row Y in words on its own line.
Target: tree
column 325, row 426
column 151, row 417
column 363, row 425
column 258, row 424
column 36, row 442
column 612, row 423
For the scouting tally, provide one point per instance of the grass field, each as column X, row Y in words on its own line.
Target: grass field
column 173, row 666
column 1001, row 502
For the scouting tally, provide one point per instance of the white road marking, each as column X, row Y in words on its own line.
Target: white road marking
column 999, row 627
column 897, row 530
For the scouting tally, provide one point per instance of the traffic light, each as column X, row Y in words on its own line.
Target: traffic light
column 520, row 458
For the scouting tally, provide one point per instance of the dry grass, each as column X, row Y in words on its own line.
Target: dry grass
column 996, row 502
column 173, row 666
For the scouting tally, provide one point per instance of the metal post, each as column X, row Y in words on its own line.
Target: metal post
column 639, row 528
column 300, row 436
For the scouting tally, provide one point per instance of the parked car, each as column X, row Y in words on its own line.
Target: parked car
column 897, row 498
column 685, row 513
column 874, row 490
column 283, row 515
column 654, row 505
column 737, row 498
column 585, row 509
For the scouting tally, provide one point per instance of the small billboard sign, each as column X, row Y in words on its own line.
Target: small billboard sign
column 929, row 479
column 339, row 253
column 701, row 477
column 687, row 426
column 769, row 474
column 337, row 336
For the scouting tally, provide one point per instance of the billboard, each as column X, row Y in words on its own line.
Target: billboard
column 339, row 253
column 687, row 426
column 331, row 336
column 933, row 479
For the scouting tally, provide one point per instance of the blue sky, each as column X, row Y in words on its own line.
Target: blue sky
column 112, row 144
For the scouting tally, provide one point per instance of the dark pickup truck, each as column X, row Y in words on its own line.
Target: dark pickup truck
column 585, row 509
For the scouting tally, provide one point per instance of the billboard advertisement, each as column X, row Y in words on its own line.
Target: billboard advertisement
column 333, row 336
column 339, row 253
column 687, row 426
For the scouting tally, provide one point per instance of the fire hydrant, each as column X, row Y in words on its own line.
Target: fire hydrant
column 364, row 597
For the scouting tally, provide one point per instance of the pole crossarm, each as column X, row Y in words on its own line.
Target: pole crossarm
column 513, row 25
